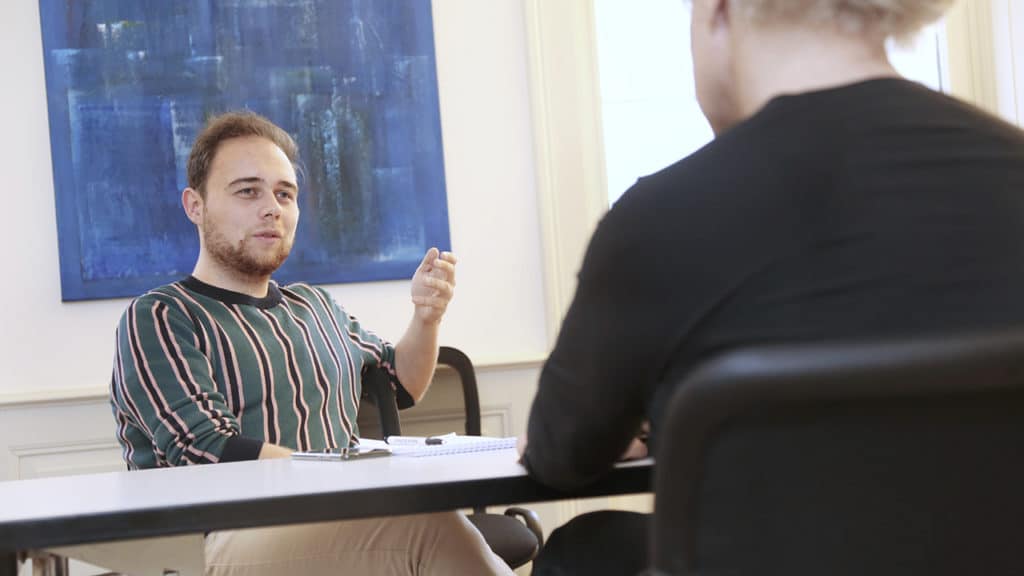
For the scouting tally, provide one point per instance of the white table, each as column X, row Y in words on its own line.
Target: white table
column 52, row 512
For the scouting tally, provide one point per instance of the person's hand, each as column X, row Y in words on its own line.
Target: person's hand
column 637, row 449
column 638, row 446
column 433, row 285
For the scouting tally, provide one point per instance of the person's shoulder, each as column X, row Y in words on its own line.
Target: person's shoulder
column 304, row 290
column 953, row 109
column 173, row 296
column 899, row 108
column 650, row 209
column 690, row 185
column 308, row 294
column 172, row 293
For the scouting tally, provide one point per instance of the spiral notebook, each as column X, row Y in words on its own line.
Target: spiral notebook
column 419, row 447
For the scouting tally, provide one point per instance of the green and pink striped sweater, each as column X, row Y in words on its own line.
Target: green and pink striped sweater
column 202, row 374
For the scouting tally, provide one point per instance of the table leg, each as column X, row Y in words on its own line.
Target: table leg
column 9, row 564
column 46, row 564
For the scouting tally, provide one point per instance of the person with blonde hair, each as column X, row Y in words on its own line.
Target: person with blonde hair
column 837, row 201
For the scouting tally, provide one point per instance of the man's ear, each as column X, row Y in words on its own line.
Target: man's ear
column 192, row 202
column 722, row 12
column 712, row 15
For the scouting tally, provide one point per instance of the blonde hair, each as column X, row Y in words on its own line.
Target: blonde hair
column 899, row 19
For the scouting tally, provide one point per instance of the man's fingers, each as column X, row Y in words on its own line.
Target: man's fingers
column 444, row 265
column 429, row 257
column 444, row 270
column 435, row 302
column 441, row 287
column 436, row 274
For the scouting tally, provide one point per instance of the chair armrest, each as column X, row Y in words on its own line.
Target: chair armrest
column 529, row 517
column 377, row 388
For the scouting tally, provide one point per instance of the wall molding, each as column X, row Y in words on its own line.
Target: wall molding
column 455, row 419
column 51, row 448
column 972, row 54
column 568, row 141
column 90, row 394
column 56, row 458
column 1008, row 47
column 85, row 394
column 509, row 364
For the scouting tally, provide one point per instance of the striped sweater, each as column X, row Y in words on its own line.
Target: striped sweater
column 202, row 374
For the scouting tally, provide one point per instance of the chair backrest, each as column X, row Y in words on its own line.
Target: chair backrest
column 377, row 390
column 456, row 360
column 888, row 458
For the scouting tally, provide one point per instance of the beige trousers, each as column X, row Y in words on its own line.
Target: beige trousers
column 443, row 543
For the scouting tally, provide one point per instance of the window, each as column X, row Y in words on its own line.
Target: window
column 650, row 114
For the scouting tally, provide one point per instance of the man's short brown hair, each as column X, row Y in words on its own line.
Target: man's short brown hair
column 228, row 126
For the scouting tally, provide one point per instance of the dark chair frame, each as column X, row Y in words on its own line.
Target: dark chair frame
column 377, row 389
column 806, row 377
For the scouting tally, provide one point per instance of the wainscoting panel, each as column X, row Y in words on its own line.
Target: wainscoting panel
column 66, row 458
column 57, row 438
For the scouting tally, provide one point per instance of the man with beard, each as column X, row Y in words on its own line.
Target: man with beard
column 837, row 201
column 226, row 365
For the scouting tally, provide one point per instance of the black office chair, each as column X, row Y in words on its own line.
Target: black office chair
column 514, row 541
column 891, row 458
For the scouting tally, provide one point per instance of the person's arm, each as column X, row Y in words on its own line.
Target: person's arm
column 661, row 268
column 589, row 403
column 163, row 382
column 630, row 309
column 433, row 286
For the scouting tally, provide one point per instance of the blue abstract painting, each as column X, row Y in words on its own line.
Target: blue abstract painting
column 131, row 82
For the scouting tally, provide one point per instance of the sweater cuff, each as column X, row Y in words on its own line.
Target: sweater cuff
column 239, row 448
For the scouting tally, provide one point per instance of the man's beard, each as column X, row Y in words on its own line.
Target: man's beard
column 241, row 259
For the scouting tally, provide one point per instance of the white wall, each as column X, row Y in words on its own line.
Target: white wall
column 48, row 348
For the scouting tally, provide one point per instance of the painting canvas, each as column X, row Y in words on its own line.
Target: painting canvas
column 131, row 82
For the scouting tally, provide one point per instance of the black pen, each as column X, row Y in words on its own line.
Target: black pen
column 437, row 440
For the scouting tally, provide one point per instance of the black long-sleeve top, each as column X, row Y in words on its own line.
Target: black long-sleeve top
column 874, row 209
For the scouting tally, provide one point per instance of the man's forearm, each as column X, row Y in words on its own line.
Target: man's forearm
column 416, row 357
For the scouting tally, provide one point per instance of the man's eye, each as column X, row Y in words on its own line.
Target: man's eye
column 246, row 192
column 285, row 195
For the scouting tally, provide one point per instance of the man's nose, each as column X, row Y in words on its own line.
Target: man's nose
column 271, row 208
